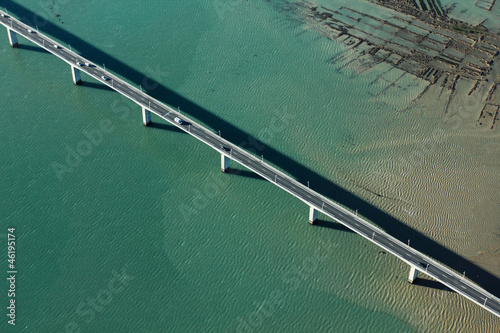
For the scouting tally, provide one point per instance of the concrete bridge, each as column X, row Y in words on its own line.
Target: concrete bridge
column 417, row 261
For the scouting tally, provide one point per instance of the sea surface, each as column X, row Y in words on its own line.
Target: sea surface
column 126, row 228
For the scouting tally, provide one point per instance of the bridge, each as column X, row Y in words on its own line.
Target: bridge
column 417, row 261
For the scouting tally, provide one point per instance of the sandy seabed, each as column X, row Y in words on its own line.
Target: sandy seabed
column 434, row 167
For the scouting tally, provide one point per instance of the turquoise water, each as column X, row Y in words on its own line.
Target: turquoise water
column 201, row 251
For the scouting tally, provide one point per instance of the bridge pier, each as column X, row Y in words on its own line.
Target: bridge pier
column 224, row 163
column 313, row 215
column 146, row 116
column 413, row 274
column 77, row 77
column 12, row 38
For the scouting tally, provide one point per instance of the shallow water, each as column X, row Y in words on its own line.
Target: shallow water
column 209, row 252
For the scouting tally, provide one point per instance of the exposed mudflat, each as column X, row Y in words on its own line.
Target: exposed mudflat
column 444, row 186
column 421, row 42
column 425, row 45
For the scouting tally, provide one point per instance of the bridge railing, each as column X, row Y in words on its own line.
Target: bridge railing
column 155, row 104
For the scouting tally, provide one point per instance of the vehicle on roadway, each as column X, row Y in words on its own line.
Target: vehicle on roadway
column 3, row 15
column 89, row 64
column 80, row 64
column 57, row 46
column 31, row 31
column 421, row 264
column 180, row 121
column 225, row 148
column 105, row 78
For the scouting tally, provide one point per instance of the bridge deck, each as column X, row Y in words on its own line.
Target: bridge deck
column 374, row 234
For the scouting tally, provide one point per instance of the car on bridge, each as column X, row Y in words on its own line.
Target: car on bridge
column 31, row 31
column 80, row 64
column 57, row 46
column 105, row 78
column 225, row 148
column 181, row 122
column 421, row 264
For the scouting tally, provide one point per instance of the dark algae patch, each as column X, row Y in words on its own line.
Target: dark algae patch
column 419, row 40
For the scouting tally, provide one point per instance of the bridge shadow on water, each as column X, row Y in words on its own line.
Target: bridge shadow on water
column 244, row 173
column 95, row 85
column 332, row 225
column 422, row 282
column 165, row 127
column 302, row 173
column 34, row 48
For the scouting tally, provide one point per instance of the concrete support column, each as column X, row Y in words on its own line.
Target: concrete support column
column 12, row 38
column 77, row 77
column 224, row 163
column 413, row 274
column 313, row 215
column 146, row 116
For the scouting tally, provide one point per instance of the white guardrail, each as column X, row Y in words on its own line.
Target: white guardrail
column 152, row 106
